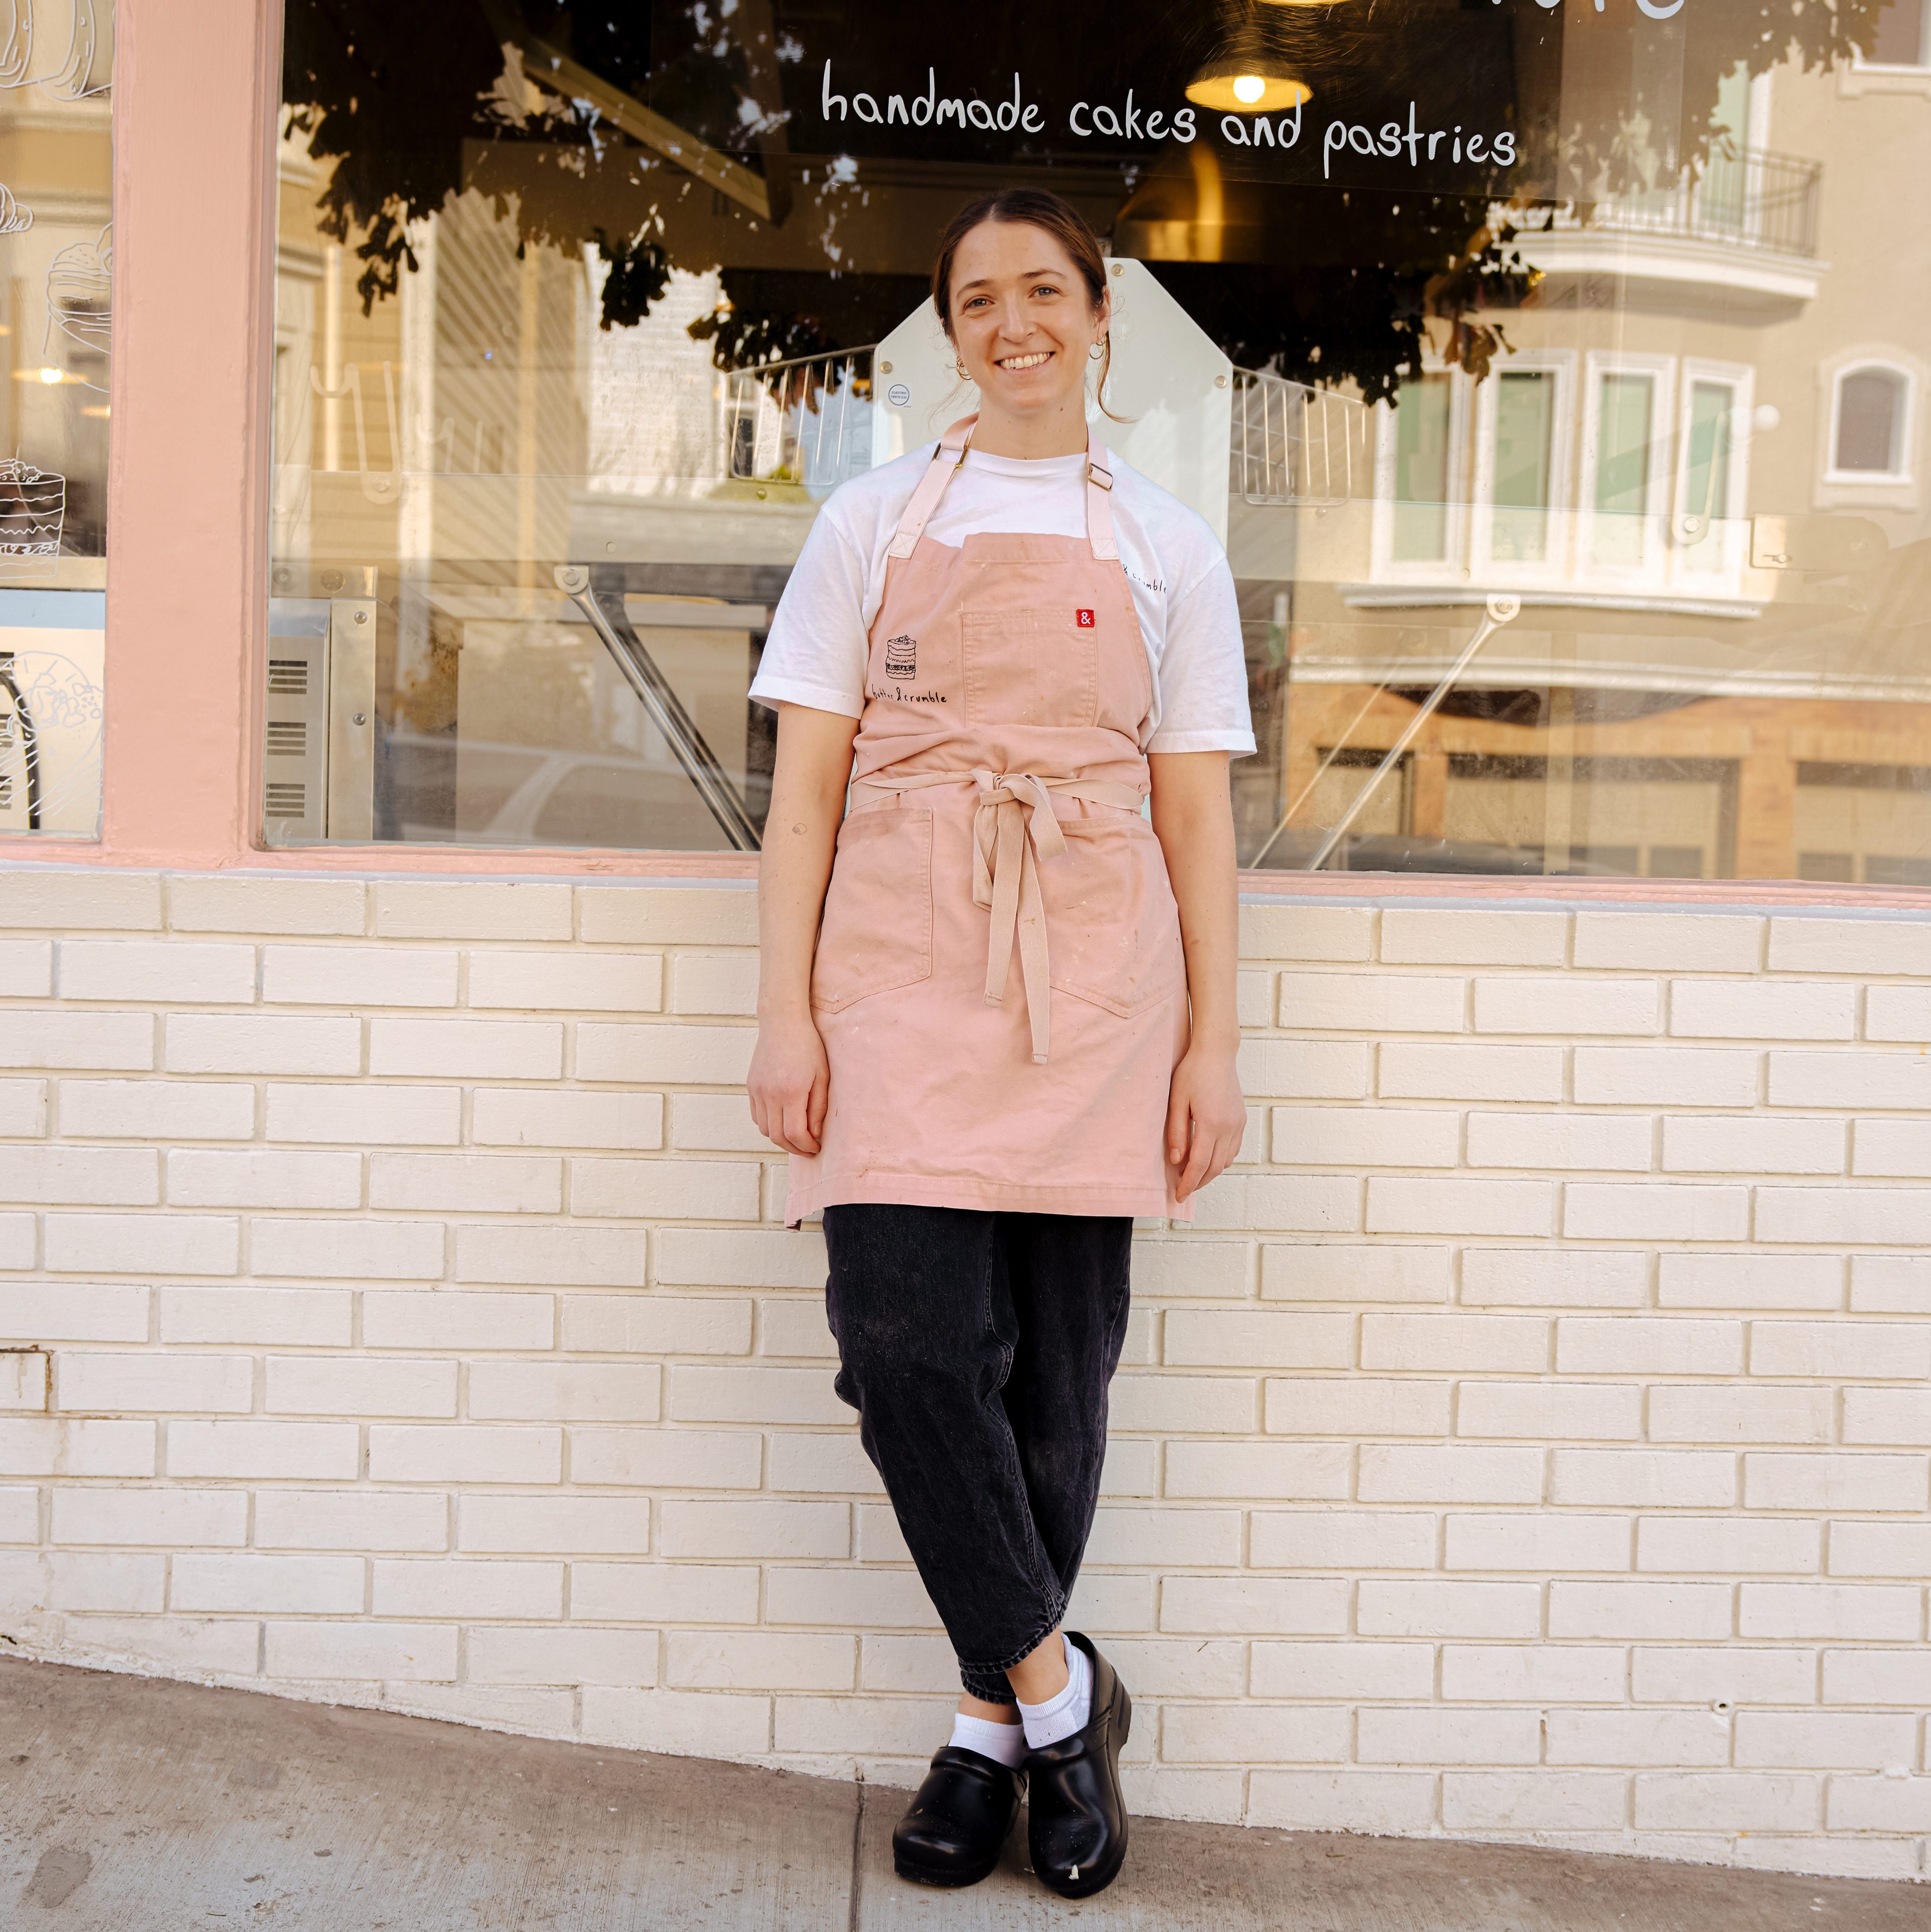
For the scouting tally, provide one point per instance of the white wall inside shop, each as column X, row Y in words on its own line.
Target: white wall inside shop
column 1531, row 1440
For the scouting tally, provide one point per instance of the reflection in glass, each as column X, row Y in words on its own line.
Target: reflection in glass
column 1706, row 496
column 582, row 311
column 1421, row 469
column 1866, row 824
column 1623, row 405
column 56, row 295
column 1524, row 433
column 1870, row 413
column 1900, row 38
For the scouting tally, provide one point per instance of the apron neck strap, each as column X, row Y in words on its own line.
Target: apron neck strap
column 1099, row 500
column 947, row 457
column 952, row 452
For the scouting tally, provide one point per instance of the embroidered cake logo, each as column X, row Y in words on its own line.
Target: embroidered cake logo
column 901, row 658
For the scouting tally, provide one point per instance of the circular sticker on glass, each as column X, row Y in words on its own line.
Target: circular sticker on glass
column 898, row 395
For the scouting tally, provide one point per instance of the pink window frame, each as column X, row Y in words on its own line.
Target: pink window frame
column 195, row 102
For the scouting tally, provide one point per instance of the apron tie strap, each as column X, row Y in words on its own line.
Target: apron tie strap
column 1015, row 827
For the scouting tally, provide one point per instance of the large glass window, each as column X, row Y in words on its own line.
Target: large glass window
column 1572, row 489
column 56, row 301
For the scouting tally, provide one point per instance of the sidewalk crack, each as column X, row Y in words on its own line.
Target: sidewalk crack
column 857, row 1888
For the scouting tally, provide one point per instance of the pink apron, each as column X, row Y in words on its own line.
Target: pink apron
column 997, row 790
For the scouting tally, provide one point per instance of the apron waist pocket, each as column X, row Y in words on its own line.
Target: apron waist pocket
column 876, row 933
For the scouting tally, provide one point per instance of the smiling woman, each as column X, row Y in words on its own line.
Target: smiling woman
column 1022, row 286
column 977, row 1149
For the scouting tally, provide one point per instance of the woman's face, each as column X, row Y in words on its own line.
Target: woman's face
column 1021, row 320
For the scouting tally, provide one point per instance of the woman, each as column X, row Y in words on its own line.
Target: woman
column 1003, row 644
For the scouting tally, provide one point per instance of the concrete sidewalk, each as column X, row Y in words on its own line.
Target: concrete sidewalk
column 133, row 1804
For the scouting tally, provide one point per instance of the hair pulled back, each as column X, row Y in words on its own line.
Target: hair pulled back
column 1034, row 207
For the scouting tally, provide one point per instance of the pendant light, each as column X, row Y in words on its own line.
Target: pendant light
column 1247, row 81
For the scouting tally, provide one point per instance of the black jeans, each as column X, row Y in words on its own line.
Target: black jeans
column 976, row 1348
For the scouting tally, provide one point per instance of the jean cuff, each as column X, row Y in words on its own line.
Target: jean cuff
column 981, row 1678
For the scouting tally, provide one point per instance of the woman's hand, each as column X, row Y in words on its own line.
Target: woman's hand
column 1193, row 819
column 789, row 1081
column 1206, row 1117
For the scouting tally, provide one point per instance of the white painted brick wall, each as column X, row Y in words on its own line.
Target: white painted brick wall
column 1532, row 1440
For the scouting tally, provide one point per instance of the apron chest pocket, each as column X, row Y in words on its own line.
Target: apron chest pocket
column 1112, row 927
column 878, row 928
column 1029, row 667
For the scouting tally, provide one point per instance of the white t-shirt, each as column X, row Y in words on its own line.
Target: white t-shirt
column 1182, row 590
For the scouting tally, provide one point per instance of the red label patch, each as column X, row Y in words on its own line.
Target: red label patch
column 1083, row 619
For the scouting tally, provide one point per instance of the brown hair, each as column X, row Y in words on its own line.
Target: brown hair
column 1035, row 207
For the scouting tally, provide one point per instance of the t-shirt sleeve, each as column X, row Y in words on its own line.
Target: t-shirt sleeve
column 1204, row 669
column 815, row 652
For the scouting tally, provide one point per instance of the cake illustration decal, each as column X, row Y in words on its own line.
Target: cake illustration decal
column 901, row 656
column 33, row 509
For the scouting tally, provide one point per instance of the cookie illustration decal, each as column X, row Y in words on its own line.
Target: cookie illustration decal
column 901, row 656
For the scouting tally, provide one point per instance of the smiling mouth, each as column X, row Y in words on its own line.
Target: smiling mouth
column 1031, row 361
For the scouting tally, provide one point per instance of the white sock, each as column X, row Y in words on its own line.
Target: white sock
column 1071, row 1711
column 1004, row 1744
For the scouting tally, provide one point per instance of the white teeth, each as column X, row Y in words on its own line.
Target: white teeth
column 1026, row 361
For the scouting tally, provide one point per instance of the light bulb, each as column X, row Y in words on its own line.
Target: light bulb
column 50, row 376
column 1248, row 87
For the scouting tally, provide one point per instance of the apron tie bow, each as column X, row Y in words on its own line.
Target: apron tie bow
column 1014, row 828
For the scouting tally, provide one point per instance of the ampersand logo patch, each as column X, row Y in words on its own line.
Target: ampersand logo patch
column 1083, row 619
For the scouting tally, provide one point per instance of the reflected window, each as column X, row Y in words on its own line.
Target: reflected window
column 1899, row 38
column 1709, row 414
column 1522, row 457
column 1864, row 824
column 1421, row 481
column 1871, row 408
column 1621, row 429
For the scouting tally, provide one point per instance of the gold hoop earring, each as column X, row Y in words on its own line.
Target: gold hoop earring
column 1097, row 348
column 958, row 363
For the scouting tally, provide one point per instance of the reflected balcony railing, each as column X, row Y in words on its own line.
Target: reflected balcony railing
column 807, row 420
column 1748, row 199
column 1293, row 444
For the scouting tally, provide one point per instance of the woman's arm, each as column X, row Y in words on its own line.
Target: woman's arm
column 1193, row 818
column 789, row 1077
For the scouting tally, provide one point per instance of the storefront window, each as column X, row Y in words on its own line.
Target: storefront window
column 56, row 278
column 1566, row 356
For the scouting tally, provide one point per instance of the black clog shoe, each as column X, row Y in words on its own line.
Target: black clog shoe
column 959, row 1821
column 1078, row 1822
